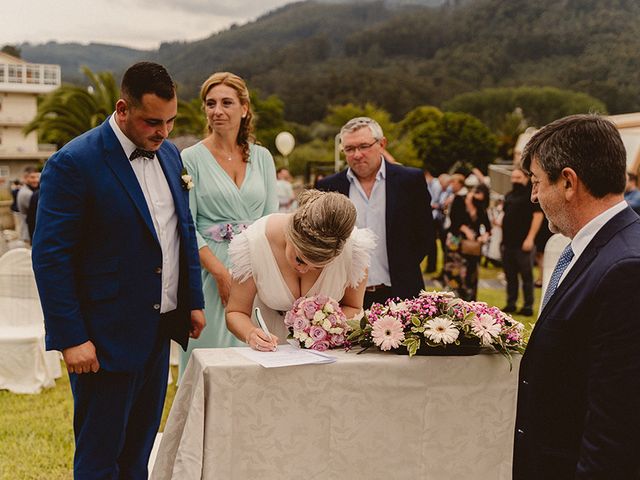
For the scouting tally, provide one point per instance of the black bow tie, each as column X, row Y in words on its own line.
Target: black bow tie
column 138, row 152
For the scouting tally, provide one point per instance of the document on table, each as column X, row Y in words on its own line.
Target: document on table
column 285, row 356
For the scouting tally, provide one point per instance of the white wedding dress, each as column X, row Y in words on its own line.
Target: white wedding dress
column 251, row 256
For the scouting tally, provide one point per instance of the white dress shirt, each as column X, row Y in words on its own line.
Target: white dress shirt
column 371, row 214
column 163, row 214
column 586, row 234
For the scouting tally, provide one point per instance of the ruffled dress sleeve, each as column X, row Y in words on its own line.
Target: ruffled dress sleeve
column 240, row 256
column 364, row 241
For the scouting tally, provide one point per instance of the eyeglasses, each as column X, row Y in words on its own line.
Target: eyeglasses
column 363, row 147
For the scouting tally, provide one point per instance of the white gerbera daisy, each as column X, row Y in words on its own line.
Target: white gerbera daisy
column 486, row 328
column 441, row 330
column 387, row 333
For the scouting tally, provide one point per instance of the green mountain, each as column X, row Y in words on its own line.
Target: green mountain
column 71, row 56
column 400, row 54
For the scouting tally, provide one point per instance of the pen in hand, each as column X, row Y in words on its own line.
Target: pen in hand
column 264, row 328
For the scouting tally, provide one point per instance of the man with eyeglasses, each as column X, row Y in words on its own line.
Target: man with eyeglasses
column 393, row 202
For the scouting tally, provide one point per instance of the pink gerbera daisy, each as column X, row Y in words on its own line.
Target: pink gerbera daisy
column 387, row 333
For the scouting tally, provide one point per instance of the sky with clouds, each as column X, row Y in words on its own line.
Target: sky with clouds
column 132, row 23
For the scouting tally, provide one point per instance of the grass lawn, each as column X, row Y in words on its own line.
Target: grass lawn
column 36, row 436
column 36, row 432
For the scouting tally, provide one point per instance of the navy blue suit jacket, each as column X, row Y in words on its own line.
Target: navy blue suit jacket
column 579, row 387
column 96, row 255
column 409, row 224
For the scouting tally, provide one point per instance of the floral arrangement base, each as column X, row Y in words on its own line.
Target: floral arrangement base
column 449, row 350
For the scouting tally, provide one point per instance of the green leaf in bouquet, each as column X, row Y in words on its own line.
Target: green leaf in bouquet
column 416, row 321
column 412, row 344
column 364, row 321
column 355, row 325
column 355, row 336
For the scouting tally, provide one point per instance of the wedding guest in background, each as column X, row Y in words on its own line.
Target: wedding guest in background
column 433, row 184
column 578, row 415
column 393, row 202
column 435, row 190
column 234, row 185
column 282, row 257
column 15, row 213
column 542, row 237
column 32, row 212
column 454, row 205
column 631, row 192
column 31, row 184
column 438, row 206
column 115, row 260
column 284, row 189
column 496, row 214
column 468, row 225
column 520, row 225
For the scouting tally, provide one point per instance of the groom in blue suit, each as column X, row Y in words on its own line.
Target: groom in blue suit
column 391, row 200
column 117, row 268
column 578, row 411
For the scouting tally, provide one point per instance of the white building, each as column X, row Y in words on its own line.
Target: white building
column 20, row 84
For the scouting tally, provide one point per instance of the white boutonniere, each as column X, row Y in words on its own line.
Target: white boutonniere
column 187, row 181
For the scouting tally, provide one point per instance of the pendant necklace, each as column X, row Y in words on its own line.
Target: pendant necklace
column 226, row 155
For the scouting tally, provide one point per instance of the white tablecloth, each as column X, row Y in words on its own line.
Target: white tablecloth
column 374, row 415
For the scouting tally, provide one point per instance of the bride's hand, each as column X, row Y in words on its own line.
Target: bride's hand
column 258, row 340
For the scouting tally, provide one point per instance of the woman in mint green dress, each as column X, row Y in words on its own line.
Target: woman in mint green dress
column 234, row 185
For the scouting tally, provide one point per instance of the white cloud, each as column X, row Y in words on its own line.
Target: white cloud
column 134, row 23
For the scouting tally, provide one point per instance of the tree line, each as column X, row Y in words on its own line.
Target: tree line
column 473, row 130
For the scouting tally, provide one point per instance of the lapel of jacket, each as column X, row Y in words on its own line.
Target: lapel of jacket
column 342, row 183
column 613, row 226
column 391, row 189
column 121, row 167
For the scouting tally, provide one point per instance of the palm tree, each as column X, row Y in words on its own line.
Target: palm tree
column 71, row 110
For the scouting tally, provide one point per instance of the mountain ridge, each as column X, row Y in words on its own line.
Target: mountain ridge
column 313, row 54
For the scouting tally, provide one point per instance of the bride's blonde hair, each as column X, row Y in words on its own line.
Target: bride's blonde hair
column 321, row 225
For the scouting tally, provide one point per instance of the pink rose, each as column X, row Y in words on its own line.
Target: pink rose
column 337, row 340
column 309, row 309
column 300, row 323
column 320, row 346
column 289, row 318
column 321, row 299
column 317, row 333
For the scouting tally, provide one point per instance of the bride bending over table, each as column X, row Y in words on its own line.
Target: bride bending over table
column 281, row 257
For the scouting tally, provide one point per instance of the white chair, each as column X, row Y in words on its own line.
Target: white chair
column 25, row 366
column 552, row 251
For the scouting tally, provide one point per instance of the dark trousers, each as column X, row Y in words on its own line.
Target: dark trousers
column 116, row 418
column 517, row 263
column 380, row 295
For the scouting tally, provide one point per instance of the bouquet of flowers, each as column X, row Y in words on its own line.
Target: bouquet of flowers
column 437, row 320
column 317, row 322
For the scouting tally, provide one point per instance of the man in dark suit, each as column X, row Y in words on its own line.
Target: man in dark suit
column 117, row 269
column 391, row 200
column 579, row 385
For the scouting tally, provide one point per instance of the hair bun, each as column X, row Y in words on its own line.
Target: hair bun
column 321, row 225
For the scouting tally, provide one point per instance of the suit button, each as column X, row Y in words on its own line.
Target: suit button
column 524, row 382
column 520, row 431
column 156, row 306
column 158, row 270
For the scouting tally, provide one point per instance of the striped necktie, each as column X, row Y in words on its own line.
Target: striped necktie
column 563, row 262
